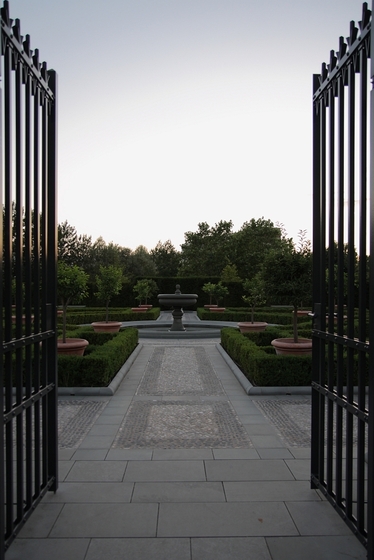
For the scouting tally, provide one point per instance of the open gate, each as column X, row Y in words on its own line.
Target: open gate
column 28, row 445
column 342, row 465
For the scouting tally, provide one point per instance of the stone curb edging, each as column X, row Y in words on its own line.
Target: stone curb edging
column 103, row 391
column 251, row 390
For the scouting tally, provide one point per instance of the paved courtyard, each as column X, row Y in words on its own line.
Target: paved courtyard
column 180, row 463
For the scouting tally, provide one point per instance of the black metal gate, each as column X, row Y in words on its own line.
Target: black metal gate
column 28, row 280
column 343, row 389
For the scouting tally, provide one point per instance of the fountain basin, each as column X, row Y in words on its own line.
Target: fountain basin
column 177, row 301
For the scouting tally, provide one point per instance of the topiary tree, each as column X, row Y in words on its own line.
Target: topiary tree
column 71, row 287
column 109, row 283
column 145, row 288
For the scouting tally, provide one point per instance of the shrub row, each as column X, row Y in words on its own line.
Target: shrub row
column 260, row 364
column 90, row 315
column 271, row 317
column 257, row 359
column 104, row 357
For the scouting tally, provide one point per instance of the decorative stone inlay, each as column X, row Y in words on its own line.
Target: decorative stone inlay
column 181, row 424
column 75, row 418
column 179, row 371
column 291, row 419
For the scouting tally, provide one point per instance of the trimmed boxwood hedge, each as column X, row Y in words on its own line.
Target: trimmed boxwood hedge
column 104, row 357
column 260, row 364
column 90, row 315
column 236, row 315
column 257, row 359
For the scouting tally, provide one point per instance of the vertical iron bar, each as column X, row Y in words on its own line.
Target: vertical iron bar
column 7, row 253
column 340, row 290
column 362, row 290
column 350, row 281
column 52, row 284
column 370, row 496
column 331, row 292
column 19, row 279
column 2, row 375
column 28, row 284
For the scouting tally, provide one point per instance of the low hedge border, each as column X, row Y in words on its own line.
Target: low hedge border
column 104, row 357
column 271, row 317
column 256, row 358
column 260, row 364
column 85, row 317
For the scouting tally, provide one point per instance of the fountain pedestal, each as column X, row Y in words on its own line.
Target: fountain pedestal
column 177, row 301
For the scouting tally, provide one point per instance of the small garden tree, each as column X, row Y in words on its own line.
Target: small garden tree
column 255, row 293
column 71, row 287
column 145, row 289
column 109, row 283
column 219, row 292
column 287, row 274
column 208, row 288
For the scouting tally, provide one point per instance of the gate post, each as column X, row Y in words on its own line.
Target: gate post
column 370, row 544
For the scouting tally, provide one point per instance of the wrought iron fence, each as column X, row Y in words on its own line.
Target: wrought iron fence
column 342, row 388
column 28, row 466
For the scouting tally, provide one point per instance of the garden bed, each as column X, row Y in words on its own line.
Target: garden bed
column 257, row 359
column 104, row 357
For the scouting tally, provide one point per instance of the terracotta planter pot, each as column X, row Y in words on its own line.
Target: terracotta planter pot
column 302, row 312
column 287, row 347
column 72, row 346
column 252, row 327
column 14, row 319
column 139, row 309
column 218, row 309
column 103, row 326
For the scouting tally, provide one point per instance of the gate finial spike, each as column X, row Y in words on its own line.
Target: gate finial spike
column 352, row 34
column 342, row 48
column 17, row 30
column 366, row 14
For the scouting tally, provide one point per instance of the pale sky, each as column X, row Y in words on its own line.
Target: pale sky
column 175, row 112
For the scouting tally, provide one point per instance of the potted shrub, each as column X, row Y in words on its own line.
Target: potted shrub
column 287, row 275
column 71, row 287
column 109, row 283
column 145, row 288
column 255, row 296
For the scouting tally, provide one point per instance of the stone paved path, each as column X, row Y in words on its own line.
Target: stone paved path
column 181, row 464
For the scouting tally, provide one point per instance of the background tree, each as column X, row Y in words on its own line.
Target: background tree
column 71, row 247
column 252, row 242
column 205, row 252
column 141, row 263
column 230, row 274
column 166, row 259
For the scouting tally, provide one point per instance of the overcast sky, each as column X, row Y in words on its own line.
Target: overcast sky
column 175, row 112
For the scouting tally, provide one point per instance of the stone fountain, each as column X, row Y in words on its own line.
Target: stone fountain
column 177, row 301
